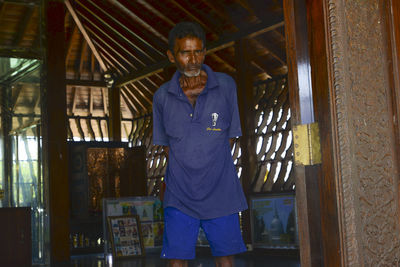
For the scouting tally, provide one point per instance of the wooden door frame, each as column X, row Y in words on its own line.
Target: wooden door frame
column 316, row 185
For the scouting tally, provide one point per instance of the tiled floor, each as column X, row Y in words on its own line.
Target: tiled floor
column 203, row 259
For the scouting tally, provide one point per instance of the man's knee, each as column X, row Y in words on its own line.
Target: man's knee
column 177, row 263
column 224, row 261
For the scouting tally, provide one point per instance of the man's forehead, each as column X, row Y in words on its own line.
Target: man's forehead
column 187, row 41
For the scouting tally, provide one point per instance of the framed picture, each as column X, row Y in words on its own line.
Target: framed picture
column 126, row 236
column 274, row 221
column 150, row 212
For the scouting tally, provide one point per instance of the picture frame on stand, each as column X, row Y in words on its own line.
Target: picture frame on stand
column 126, row 236
column 274, row 220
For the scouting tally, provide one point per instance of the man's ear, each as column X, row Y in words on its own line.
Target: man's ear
column 170, row 56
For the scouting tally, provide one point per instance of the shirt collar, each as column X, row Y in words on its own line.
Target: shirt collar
column 212, row 81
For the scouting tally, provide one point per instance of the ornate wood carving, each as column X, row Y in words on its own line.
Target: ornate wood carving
column 365, row 144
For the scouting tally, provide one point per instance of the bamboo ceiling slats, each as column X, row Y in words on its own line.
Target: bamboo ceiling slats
column 129, row 40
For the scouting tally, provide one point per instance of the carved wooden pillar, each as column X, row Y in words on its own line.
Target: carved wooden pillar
column 355, row 106
column 244, row 82
column 363, row 119
column 55, row 160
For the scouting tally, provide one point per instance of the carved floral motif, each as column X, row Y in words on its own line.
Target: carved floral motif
column 365, row 142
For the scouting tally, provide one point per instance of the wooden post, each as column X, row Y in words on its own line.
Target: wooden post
column 114, row 109
column 244, row 82
column 301, row 104
column 55, row 159
column 6, row 120
column 318, row 220
column 330, row 239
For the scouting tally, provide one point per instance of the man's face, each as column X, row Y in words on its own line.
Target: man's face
column 188, row 55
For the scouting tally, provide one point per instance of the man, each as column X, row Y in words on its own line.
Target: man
column 195, row 116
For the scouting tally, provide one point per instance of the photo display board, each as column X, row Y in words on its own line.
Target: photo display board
column 125, row 236
column 150, row 213
column 274, row 221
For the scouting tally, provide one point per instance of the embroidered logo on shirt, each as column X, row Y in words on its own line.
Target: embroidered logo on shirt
column 213, row 129
column 214, row 118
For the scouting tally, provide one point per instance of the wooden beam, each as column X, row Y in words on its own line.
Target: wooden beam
column 112, row 60
column 105, row 104
column 28, row 53
column 192, row 17
column 273, row 50
column 132, row 94
column 136, row 37
column 146, row 88
column 221, row 11
column 22, row 2
column 140, row 92
column 92, row 64
column 129, row 103
column 74, row 97
column 156, row 12
column 126, row 60
column 148, row 71
column 90, row 101
column 15, row 96
column 2, row 8
column 69, row 44
column 37, row 102
column 82, row 56
column 117, row 42
column 112, row 67
column 136, row 18
column 218, row 45
column 85, row 83
column 221, row 60
column 24, row 23
column 85, row 35
column 121, row 37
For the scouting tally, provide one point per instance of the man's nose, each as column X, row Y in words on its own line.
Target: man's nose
column 192, row 58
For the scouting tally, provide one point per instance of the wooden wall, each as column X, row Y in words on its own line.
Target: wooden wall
column 354, row 60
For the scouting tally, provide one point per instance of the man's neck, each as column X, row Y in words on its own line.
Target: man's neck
column 193, row 86
column 193, row 83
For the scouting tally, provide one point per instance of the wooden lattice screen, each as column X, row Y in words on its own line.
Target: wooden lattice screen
column 274, row 137
column 273, row 133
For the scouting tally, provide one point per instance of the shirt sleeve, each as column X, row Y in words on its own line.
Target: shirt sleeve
column 235, row 129
column 159, row 135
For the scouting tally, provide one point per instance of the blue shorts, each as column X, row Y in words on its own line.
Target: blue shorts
column 181, row 231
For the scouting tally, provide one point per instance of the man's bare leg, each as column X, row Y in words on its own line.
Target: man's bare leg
column 177, row 263
column 224, row 261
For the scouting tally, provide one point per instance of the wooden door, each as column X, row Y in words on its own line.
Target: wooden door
column 15, row 237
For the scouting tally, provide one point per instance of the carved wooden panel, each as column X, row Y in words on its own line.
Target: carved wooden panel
column 367, row 172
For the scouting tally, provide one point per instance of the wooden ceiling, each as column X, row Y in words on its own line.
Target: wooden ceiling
column 129, row 40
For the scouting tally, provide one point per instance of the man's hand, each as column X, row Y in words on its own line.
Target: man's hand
column 232, row 142
column 165, row 151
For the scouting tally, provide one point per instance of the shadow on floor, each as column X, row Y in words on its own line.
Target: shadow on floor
column 203, row 259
